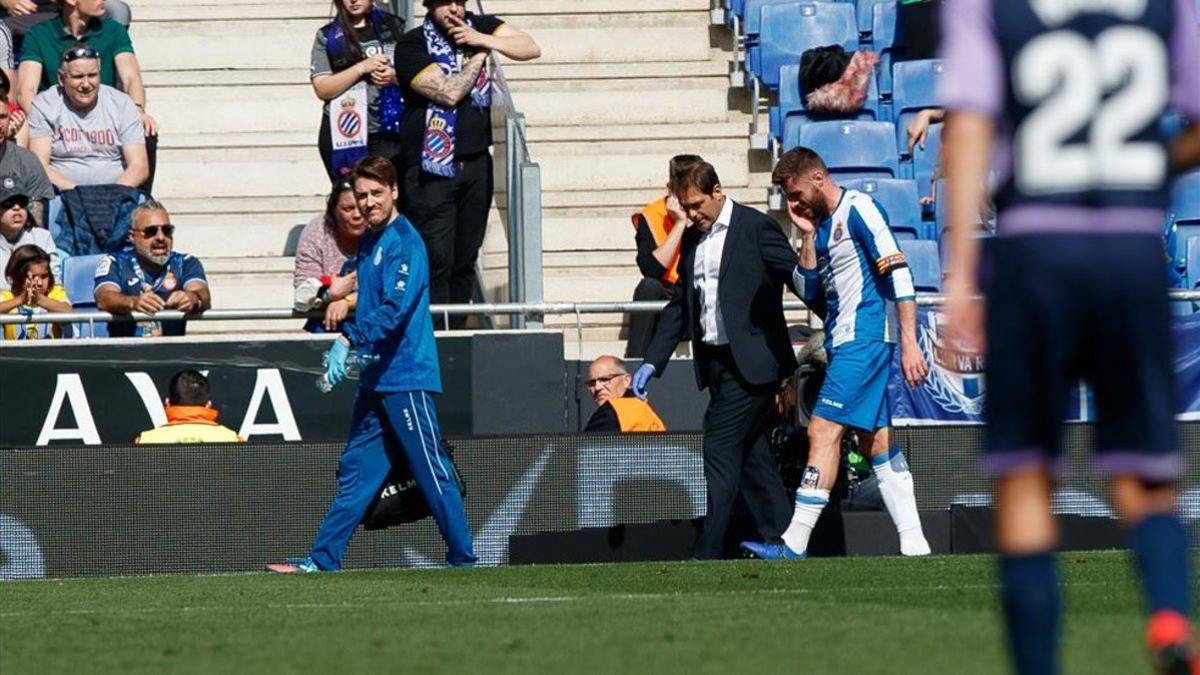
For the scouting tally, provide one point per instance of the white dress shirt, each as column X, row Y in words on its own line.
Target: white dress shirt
column 705, row 274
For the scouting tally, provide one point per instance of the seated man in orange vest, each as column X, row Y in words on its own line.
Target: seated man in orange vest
column 617, row 409
column 191, row 417
column 657, row 240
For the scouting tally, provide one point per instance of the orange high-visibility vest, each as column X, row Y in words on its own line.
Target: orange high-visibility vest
column 661, row 223
column 634, row 414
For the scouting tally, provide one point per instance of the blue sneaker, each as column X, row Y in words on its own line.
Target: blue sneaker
column 293, row 566
column 765, row 551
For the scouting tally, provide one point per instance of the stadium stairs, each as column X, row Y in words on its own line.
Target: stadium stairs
column 621, row 87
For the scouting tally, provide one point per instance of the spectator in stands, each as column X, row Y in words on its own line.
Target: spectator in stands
column 833, row 80
column 657, row 241
column 82, row 21
column 85, row 21
column 20, row 169
column 191, row 417
column 351, row 71
column 617, row 409
column 18, row 228
column 85, row 132
column 324, row 275
column 445, row 133
column 150, row 277
column 21, row 15
column 7, row 62
column 34, row 291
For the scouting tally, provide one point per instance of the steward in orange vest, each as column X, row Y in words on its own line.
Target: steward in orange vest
column 618, row 410
column 190, row 415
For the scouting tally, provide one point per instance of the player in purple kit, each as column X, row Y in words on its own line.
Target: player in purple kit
column 1068, row 95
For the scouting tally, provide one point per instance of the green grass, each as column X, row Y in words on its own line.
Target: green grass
column 849, row 615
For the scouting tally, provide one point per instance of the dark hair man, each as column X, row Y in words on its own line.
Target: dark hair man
column 1074, row 92
column 191, row 417
column 394, row 413
column 733, row 264
column 856, row 276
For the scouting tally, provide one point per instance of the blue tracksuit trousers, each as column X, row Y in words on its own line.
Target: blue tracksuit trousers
column 393, row 427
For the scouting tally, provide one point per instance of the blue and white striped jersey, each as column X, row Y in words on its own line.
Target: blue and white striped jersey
column 862, row 272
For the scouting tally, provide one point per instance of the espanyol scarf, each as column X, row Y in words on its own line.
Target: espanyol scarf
column 438, row 146
column 347, row 123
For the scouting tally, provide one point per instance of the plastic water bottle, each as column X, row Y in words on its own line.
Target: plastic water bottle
column 354, row 365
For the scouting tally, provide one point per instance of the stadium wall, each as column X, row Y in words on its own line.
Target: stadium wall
column 85, row 510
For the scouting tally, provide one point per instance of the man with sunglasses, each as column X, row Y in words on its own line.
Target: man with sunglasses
column 150, row 277
column 85, row 132
column 617, row 409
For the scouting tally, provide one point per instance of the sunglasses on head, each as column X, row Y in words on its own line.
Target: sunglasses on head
column 151, row 231
column 76, row 53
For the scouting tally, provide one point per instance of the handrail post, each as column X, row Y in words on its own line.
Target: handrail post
column 531, row 238
column 514, row 138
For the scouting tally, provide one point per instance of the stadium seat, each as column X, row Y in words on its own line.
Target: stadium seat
column 925, row 263
column 1185, row 198
column 899, row 200
column 1183, row 232
column 865, row 10
column 1193, row 268
column 851, row 149
column 914, row 88
column 887, row 41
column 788, row 30
column 925, row 161
column 791, row 104
column 79, row 280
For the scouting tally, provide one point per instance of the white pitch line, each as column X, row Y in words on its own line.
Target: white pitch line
column 632, row 597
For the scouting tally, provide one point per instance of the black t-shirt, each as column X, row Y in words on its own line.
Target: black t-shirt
column 474, row 126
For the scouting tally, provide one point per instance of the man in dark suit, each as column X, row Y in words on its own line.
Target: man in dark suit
column 734, row 262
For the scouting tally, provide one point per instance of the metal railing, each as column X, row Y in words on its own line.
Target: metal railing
column 523, row 202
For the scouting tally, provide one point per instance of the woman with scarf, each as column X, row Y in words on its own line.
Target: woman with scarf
column 352, row 72
column 446, row 179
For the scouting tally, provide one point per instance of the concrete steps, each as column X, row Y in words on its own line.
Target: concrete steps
column 622, row 86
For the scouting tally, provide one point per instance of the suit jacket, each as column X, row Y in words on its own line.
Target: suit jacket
column 756, row 262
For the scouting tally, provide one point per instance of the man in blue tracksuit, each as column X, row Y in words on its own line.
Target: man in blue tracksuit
column 394, row 414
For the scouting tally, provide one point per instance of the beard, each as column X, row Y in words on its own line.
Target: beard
column 159, row 260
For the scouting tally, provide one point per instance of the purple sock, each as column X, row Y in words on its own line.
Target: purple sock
column 1031, row 608
column 1160, row 548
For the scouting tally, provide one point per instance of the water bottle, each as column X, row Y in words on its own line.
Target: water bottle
column 354, row 365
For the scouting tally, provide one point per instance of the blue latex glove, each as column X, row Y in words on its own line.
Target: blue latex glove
column 641, row 378
column 335, row 365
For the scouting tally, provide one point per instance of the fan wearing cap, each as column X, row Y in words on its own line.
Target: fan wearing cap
column 85, row 132
column 18, row 228
column 151, row 276
column 19, row 168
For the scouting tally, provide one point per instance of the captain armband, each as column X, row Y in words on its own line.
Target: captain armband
column 890, row 263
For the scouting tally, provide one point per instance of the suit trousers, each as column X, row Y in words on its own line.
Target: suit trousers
column 737, row 455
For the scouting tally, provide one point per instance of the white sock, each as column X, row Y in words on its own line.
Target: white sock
column 896, row 488
column 809, row 504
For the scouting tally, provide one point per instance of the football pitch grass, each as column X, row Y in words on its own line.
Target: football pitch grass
column 836, row 615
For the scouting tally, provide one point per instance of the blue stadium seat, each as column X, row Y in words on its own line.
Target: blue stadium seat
column 887, row 41
column 865, row 9
column 851, row 149
column 925, row 162
column 1183, row 232
column 751, row 16
column 79, row 280
column 1193, row 268
column 791, row 104
column 899, row 200
column 914, row 88
column 788, row 30
column 1185, row 198
column 925, row 262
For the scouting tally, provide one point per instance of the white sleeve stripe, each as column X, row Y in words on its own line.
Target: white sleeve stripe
column 902, row 282
column 878, row 227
